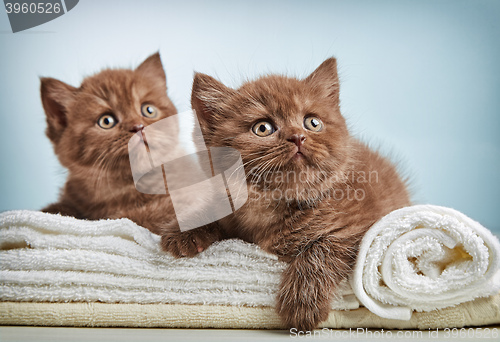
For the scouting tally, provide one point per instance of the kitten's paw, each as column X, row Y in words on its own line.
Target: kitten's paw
column 302, row 302
column 303, row 318
column 188, row 243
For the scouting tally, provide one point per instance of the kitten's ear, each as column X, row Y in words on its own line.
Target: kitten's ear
column 326, row 76
column 56, row 97
column 208, row 97
column 152, row 70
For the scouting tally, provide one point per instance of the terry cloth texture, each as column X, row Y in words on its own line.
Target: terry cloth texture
column 60, row 271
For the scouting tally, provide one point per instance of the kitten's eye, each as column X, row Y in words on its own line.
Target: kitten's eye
column 149, row 111
column 263, row 128
column 107, row 121
column 313, row 124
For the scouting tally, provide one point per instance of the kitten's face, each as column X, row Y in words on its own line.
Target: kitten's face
column 289, row 132
column 90, row 126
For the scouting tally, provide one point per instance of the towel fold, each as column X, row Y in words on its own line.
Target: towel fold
column 52, row 258
column 423, row 258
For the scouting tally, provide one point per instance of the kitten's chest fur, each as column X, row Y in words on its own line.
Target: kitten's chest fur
column 97, row 199
column 117, row 198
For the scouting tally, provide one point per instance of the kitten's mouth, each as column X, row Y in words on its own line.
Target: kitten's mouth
column 143, row 139
column 139, row 142
column 298, row 153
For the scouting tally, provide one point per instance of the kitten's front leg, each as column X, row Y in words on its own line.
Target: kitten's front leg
column 190, row 242
column 309, row 282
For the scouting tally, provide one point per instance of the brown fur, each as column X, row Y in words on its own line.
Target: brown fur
column 100, row 183
column 316, row 233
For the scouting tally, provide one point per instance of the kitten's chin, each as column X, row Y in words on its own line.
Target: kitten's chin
column 288, row 193
column 298, row 157
column 297, row 162
column 292, row 184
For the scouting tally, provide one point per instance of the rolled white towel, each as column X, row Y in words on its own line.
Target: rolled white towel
column 424, row 258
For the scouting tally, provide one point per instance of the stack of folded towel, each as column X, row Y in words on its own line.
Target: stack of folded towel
column 420, row 258
column 51, row 258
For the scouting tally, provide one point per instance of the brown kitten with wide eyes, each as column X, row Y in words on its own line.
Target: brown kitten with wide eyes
column 90, row 127
column 314, row 190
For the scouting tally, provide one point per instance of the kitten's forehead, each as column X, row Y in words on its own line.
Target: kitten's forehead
column 112, row 88
column 108, row 83
column 278, row 96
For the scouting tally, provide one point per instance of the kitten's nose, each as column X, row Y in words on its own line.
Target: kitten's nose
column 297, row 139
column 137, row 128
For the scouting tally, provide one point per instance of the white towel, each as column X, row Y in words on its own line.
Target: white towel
column 51, row 258
column 423, row 258
column 417, row 258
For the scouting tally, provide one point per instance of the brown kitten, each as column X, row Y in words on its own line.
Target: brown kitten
column 90, row 128
column 314, row 190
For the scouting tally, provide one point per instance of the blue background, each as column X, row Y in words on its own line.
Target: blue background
column 419, row 79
